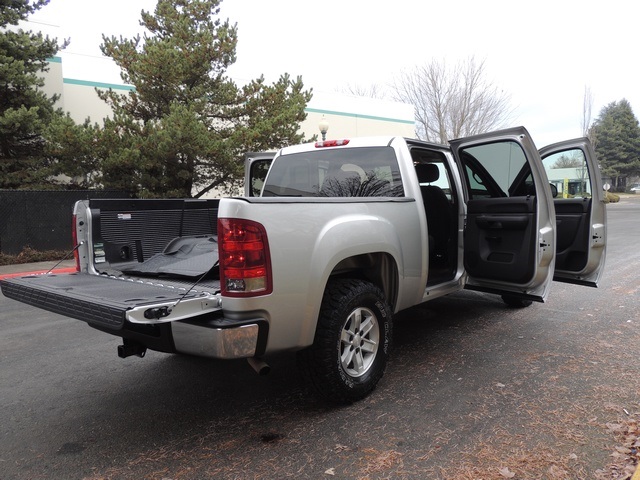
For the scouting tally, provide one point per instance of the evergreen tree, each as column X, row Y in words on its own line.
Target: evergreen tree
column 617, row 142
column 186, row 125
column 72, row 151
column 25, row 110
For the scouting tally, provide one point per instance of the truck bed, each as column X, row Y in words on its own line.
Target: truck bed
column 154, row 237
column 141, row 252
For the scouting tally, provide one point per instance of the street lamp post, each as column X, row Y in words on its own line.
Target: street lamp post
column 324, row 127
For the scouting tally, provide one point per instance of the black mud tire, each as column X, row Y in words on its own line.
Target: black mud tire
column 354, row 323
column 515, row 302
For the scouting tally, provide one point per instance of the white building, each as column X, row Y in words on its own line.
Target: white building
column 570, row 182
column 346, row 115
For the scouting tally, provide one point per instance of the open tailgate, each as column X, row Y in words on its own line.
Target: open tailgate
column 104, row 301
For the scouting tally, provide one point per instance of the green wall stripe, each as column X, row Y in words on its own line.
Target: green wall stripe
column 86, row 83
column 357, row 115
column 54, row 60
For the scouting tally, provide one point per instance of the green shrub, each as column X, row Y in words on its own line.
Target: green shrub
column 611, row 197
column 29, row 255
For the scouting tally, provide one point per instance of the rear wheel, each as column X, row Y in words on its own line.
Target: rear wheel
column 352, row 342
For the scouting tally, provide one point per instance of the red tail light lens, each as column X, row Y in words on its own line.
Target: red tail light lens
column 74, row 237
column 245, row 265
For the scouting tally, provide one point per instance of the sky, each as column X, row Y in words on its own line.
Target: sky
column 542, row 54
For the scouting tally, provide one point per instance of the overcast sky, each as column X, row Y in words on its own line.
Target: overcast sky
column 542, row 53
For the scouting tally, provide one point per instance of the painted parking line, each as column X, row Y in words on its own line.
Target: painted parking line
column 57, row 271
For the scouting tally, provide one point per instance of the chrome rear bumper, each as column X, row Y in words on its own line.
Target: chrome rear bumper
column 206, row 340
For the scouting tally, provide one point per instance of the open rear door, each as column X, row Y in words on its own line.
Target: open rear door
column 509, row 237
column 580, row 211
column 256, row 166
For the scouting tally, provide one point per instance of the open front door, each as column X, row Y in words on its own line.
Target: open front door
column 256, row 166
column 580, row 211
column 509, row 237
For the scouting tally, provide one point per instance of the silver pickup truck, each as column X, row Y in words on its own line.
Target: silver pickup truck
column 330, row 241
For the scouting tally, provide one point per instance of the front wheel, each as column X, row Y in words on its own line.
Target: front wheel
column 515, row 302
column 352, row 342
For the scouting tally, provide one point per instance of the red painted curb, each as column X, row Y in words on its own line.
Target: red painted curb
column 57, row 271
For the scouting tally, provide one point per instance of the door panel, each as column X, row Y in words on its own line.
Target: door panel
column 499, row 239
column 509, row 241
column 572, row 222
column 580, row 211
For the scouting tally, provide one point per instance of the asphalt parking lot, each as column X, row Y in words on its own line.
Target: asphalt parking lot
column 474, row 390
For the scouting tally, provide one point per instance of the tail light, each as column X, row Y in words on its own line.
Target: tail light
column 74, row 237
column 245, row 265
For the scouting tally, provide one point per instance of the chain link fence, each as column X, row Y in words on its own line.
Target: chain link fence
column 41, row 219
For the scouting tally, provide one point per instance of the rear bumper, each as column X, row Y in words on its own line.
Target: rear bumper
column 209, row 336
column 101, row 302
column 220, row 338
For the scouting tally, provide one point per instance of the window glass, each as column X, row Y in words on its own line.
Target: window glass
column 338, row 172
column 567, row 172
column 495, row 169
column 259, row 171
column 432, row 171
column 476, row 185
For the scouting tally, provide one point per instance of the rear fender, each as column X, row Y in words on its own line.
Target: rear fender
column 360, row 246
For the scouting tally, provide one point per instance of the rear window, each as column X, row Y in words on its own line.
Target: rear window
column 338, row 172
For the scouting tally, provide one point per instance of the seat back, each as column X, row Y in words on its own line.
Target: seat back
column 437, row 208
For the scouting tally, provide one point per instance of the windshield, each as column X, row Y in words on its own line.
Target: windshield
column 336, row 172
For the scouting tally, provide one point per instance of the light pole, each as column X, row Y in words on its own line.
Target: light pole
column 323, row 126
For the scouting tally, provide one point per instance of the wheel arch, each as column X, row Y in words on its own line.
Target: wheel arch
column 379, row 268
column 357, row 246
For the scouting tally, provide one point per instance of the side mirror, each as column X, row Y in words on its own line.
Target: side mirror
column 554, row 190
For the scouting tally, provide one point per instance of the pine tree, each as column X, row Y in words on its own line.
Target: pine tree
column 25, row 110
column 186, row 125
column 617, row 142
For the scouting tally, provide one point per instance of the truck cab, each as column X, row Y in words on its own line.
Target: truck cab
column 496, row 216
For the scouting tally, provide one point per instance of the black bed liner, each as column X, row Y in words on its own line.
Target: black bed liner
column 155, row 236
column 96, row 299
column 183, row 257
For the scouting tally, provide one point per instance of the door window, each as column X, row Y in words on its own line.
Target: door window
column 494, row 170
column 259, row 171
column 568, row 174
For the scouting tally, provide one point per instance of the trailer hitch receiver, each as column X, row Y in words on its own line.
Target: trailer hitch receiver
column 130, row 348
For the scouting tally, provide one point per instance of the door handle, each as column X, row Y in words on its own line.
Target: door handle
column 506, row 222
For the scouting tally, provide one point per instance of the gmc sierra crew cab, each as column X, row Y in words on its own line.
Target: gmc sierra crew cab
column 330, row 241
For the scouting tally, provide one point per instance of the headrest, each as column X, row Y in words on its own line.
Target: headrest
column 427, row 172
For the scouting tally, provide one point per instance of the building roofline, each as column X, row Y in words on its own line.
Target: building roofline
column 357, row 115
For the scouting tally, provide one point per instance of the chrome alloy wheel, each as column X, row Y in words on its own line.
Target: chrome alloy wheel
column 359, row 342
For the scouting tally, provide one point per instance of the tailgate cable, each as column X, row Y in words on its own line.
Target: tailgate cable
column 65, row 257
column 161, row 312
